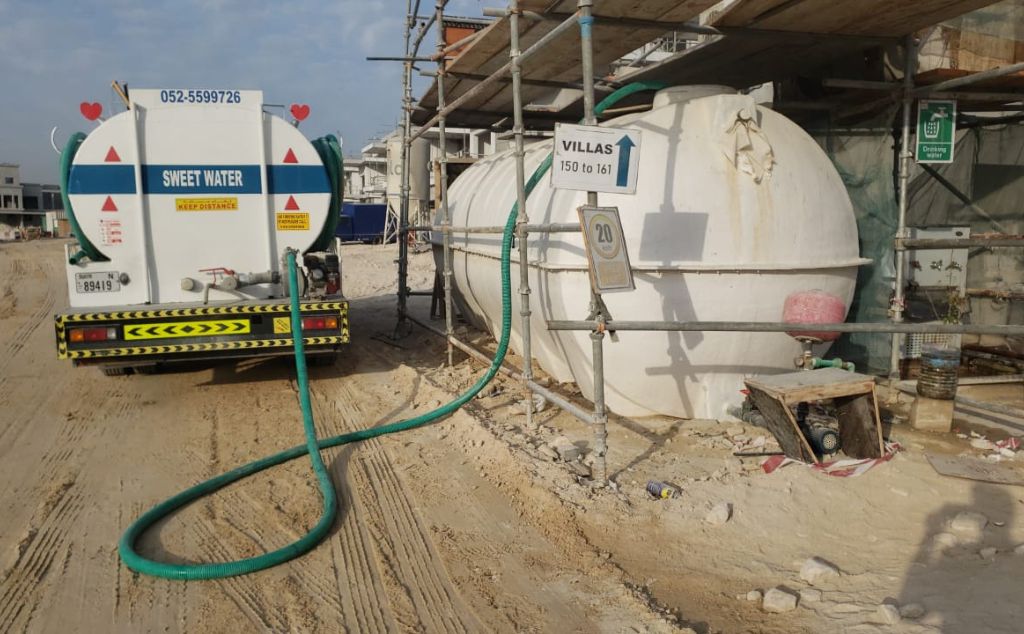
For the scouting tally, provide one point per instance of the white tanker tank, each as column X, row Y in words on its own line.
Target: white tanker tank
column 735, row 208
column 183, row 207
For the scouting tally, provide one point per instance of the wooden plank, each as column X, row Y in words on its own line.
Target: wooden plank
column 854, row 17
column 561, row 59
column 996, row 84
column 860, row 431
column 813, row 385
column 978, row 469
column 665, row 10
column 781, row 423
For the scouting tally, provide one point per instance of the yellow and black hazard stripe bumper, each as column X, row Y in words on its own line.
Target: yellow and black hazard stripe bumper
column 239, row 329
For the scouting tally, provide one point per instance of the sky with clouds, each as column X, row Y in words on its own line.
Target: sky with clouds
column 55, row 54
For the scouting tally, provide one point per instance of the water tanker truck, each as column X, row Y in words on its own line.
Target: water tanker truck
column 184, row 208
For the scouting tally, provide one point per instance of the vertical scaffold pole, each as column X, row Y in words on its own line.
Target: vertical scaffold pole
column 599, row 468
column 446, row 220
column 522, row 218
column 403, row 213
column 905, row 156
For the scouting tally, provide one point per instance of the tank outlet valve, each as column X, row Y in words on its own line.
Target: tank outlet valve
column 266, row 277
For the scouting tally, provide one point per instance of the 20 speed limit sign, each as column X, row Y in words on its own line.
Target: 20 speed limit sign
column 606, row 250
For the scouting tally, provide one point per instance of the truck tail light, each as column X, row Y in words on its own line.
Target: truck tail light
column 97, row 333
column 319, row 323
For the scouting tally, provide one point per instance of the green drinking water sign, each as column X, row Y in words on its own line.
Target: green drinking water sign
column 936, row 131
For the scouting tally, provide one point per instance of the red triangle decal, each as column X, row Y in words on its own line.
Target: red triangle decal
column 290, row 157
column 292, row 205
column 112, row 156
column 109, row 205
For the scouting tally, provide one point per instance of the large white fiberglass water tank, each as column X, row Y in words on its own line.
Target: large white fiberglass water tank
column 736, row 207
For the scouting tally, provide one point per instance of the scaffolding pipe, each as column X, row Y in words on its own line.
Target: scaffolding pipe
column 522, row 216
column 442, row 184
column 996, row 240
column 773, row 326
column 599, row 466
column 451, row 48
column 403, row 213
column 898, row 298
column 973, row 78
column 543, row 83
column 953, row 189
column 991, row 293
column 559, row 227
column 548, row 395
column 496, row 75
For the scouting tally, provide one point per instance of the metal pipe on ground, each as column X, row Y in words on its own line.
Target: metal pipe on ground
column 552, row 397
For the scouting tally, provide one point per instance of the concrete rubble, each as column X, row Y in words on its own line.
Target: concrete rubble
column 815, row 570
column 778, row 600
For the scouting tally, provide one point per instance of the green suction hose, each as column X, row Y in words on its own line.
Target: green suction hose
column 126, row 547
column 86, row 249
column 329, row 150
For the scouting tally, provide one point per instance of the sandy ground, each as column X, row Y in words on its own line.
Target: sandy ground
column 467, row 525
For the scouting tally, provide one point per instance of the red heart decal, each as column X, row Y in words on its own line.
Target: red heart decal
column 300, row 111
column 91, row 111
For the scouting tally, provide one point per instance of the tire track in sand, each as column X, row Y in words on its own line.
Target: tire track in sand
column 404, row 545
column 47, row 538
column 17, row 339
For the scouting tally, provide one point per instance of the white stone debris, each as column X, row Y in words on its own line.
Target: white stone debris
column 719, row 514
column 1019, row 550
column 816, row 570
column 912, row 611
column 945, row 540
column 778, row 600
column 565, row 448
column 969, row 524
column 810, row 595
column 888, row 614
column 982, row 443
column 548, row 452
column 988, row 553
column 754, row 595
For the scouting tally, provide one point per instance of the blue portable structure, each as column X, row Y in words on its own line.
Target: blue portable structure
column 363, row 222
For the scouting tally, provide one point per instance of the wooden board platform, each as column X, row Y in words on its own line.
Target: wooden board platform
column 796, row 36
column 860, row 426
column 559, row 61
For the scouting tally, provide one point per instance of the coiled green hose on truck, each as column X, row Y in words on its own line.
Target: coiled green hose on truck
column 313, row 446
